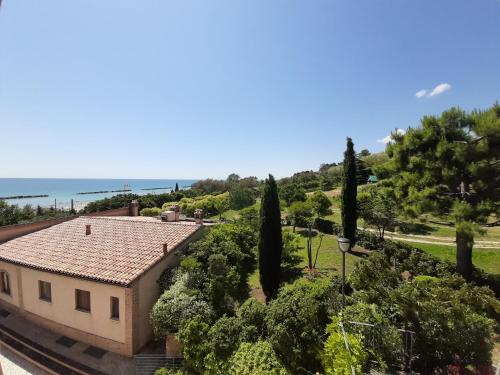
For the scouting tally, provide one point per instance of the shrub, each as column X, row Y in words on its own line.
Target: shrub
column 325, row 226
column 252, row 315
column 320, row 203
column 166, row 371
column 299, row 214
column 194, row 337
column 153, row 211
column 258, row 358
column 382, row 341
column 368, row 240
column 336, row 359
column 174, row 307
column 449, row 328
column 296, row 321
column 240, row 197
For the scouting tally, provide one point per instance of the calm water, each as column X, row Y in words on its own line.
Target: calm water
column 63, row 190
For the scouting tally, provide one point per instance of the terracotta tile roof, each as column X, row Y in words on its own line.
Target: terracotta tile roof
column 118, row 250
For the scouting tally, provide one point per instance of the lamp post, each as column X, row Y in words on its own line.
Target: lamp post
column 344, row 246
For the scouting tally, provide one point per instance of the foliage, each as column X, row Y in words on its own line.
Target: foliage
column 145, row 201
column 296, row 321
column 326, row 226
column 174, row 307
column 307, row 180
column 299, row 214
column 210, row 204
column 167, row 279
column 369, row 240
column 448, row 165
column 382, row 341
column 290, row 260
column 223, row 261
column 377, row 207
column 153, row 211
column 449, row 331
column 256, row 359
column 349, row 192
column 291, row 192
column 241, row 197
column 362, row 171
column 451, row 318
column 13, row 214
column 320, row 203
column 210, row 186
column 193, row 335
column 252, row 314
column 223, row 284
column 270, row 239
column 166, row 371
column 336, row 359
column 249, row 217
column 372, row 161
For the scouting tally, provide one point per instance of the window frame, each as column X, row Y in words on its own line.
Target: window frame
column 112, row 310
column 5, row 283
column 41, row 295
column 80, row 307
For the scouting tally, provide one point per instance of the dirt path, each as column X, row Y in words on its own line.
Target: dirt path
column 446, row 241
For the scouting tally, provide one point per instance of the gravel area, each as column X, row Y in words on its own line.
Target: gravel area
column 13, row 364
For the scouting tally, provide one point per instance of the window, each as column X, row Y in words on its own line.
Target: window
column 82, row 300
column 115, row 308
column 5, row 282
column 44, row 291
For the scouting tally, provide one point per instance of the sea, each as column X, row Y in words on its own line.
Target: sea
column 60, row 191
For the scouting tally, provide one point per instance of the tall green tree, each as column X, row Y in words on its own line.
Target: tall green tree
column 176, row 187
column 270, row 241
column 349, row 192
column 449, row 165
column 320, row 203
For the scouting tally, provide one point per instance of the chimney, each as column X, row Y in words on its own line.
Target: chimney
column 177, row 209
column 198, row 216
column 165, row 248
column 133, row 208
column 87, row 229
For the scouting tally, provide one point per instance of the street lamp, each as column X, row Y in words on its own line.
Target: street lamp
column 344, row 246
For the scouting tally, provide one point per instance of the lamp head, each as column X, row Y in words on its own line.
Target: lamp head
column 344, row 244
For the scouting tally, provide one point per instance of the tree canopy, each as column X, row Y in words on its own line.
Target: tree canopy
column 270, row 241
column 449, row 166
column 349, row 192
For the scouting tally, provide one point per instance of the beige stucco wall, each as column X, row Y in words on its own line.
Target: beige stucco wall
column 13, row 299
column 62, row 308
column 148, row 291
column 148, row 294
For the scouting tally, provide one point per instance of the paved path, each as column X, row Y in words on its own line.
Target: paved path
column 446, row 241
column 13, row 364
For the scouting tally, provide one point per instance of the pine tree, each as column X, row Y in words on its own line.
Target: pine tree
column 349, row 192
column 176, row 187
column 449, row 167
column 270, row 241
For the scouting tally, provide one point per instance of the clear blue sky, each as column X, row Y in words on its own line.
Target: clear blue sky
column 193, row 89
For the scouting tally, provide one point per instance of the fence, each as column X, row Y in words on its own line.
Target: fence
column 371, row 334
column 147, row 364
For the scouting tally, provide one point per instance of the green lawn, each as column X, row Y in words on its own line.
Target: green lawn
column 486, row 259
column 329, row 258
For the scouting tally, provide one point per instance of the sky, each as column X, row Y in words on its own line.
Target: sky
column 197, row 89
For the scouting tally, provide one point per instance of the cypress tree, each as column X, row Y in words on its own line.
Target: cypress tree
column 176, row 187
column 270, row 241
column 349, row 192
